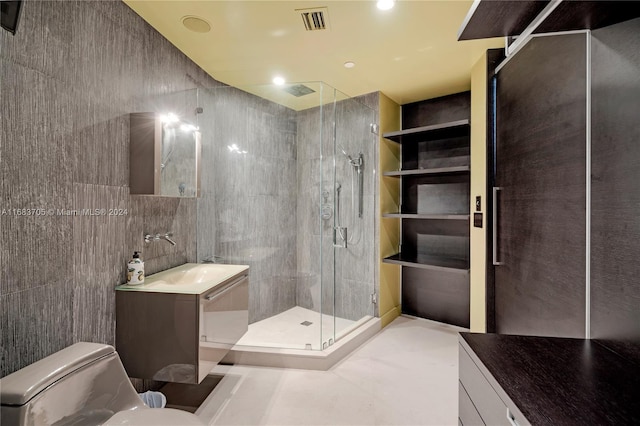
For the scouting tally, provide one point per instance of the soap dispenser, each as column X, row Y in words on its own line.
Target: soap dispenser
column 135, row 270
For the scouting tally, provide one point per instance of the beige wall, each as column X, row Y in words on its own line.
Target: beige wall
column 389, row 298
column 478, row 187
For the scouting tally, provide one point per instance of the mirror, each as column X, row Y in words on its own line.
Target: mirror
column 164, row 157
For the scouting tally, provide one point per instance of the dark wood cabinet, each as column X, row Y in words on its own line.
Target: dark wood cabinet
column 565, row 169
column 541, row 149
column 545, row 381
column 491, row 18
column 434, row 250
column 615, row 189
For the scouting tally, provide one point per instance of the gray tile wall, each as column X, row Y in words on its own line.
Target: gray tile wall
column 69, row 79
column 247, row 211
column 261, row 207
column 355, row 274
column 354, row 266
column 310, row 227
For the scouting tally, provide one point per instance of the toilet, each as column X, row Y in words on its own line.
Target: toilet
column 84, row 384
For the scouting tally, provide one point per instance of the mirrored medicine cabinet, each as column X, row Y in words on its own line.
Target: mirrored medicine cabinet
column 164, row 156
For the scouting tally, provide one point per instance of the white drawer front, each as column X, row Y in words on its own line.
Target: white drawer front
column 467, row 413
column 485, row 399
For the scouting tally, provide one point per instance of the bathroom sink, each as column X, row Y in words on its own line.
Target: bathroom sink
column 181, row 322
column 190, row 278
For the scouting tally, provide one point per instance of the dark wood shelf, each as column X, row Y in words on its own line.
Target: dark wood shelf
column 444, row 216
column 439, row 263
column 426, row 172
column 434, row 132
column 487, row 19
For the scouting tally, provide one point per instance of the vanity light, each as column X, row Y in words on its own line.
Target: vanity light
column 385, row 4
column 278, row 81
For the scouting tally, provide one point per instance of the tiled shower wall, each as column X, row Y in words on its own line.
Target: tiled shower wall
column 261, row 183
column 248, row 206
column 68, row 80
column 354, row 266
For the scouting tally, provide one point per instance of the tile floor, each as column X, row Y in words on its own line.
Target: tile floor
column 407, row 374
column 285, row 331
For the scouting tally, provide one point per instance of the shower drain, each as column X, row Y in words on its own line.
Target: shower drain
column 306, row 323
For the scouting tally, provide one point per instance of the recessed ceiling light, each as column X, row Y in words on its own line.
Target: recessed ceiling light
column 385, row 4
column 196, row 24
column 349, row 64
column 278, row 81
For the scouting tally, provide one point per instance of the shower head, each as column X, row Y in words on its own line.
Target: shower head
column 355, row 162
column 346, row 155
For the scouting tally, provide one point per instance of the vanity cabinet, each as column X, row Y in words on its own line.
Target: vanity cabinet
column 178, row 335
column 519, row 380
column 434, row 208
column 481, row 400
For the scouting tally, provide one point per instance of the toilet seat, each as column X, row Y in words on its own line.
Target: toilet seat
column 154, row 417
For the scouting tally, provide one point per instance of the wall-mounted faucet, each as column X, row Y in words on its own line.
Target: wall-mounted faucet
column 167, row 237
column 148, row 238
column 213, row 259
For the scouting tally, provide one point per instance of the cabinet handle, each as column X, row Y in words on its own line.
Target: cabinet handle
column 495, row 226
column 209, row 297
column 511, row 418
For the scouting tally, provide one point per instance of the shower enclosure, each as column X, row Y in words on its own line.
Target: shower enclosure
column 288, row 189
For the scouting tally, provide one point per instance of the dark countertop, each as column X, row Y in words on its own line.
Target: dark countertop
column 558, row 381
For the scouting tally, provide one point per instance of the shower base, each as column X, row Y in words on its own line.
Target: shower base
column 296, row 328
column 281, row 340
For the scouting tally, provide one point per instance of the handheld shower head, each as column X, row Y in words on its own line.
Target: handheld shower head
column 346, row 155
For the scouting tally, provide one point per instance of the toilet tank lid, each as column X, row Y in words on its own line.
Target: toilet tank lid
column 20, row 387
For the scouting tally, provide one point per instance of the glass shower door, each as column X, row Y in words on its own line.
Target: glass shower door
column 328, row 205
column 348, row 261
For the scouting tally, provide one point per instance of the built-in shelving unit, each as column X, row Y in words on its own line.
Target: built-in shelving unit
column 427, row 216
column 434, row 209
column 448, row 130
column 447, row 264
column 434, row 193
column 425, row 172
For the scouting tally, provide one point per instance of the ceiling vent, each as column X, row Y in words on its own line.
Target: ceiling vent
column 298, row 90
column 315, row 19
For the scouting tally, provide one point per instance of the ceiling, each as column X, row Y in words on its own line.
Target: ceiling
column 409, row 53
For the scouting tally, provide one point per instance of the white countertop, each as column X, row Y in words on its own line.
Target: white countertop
column 190, row 278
